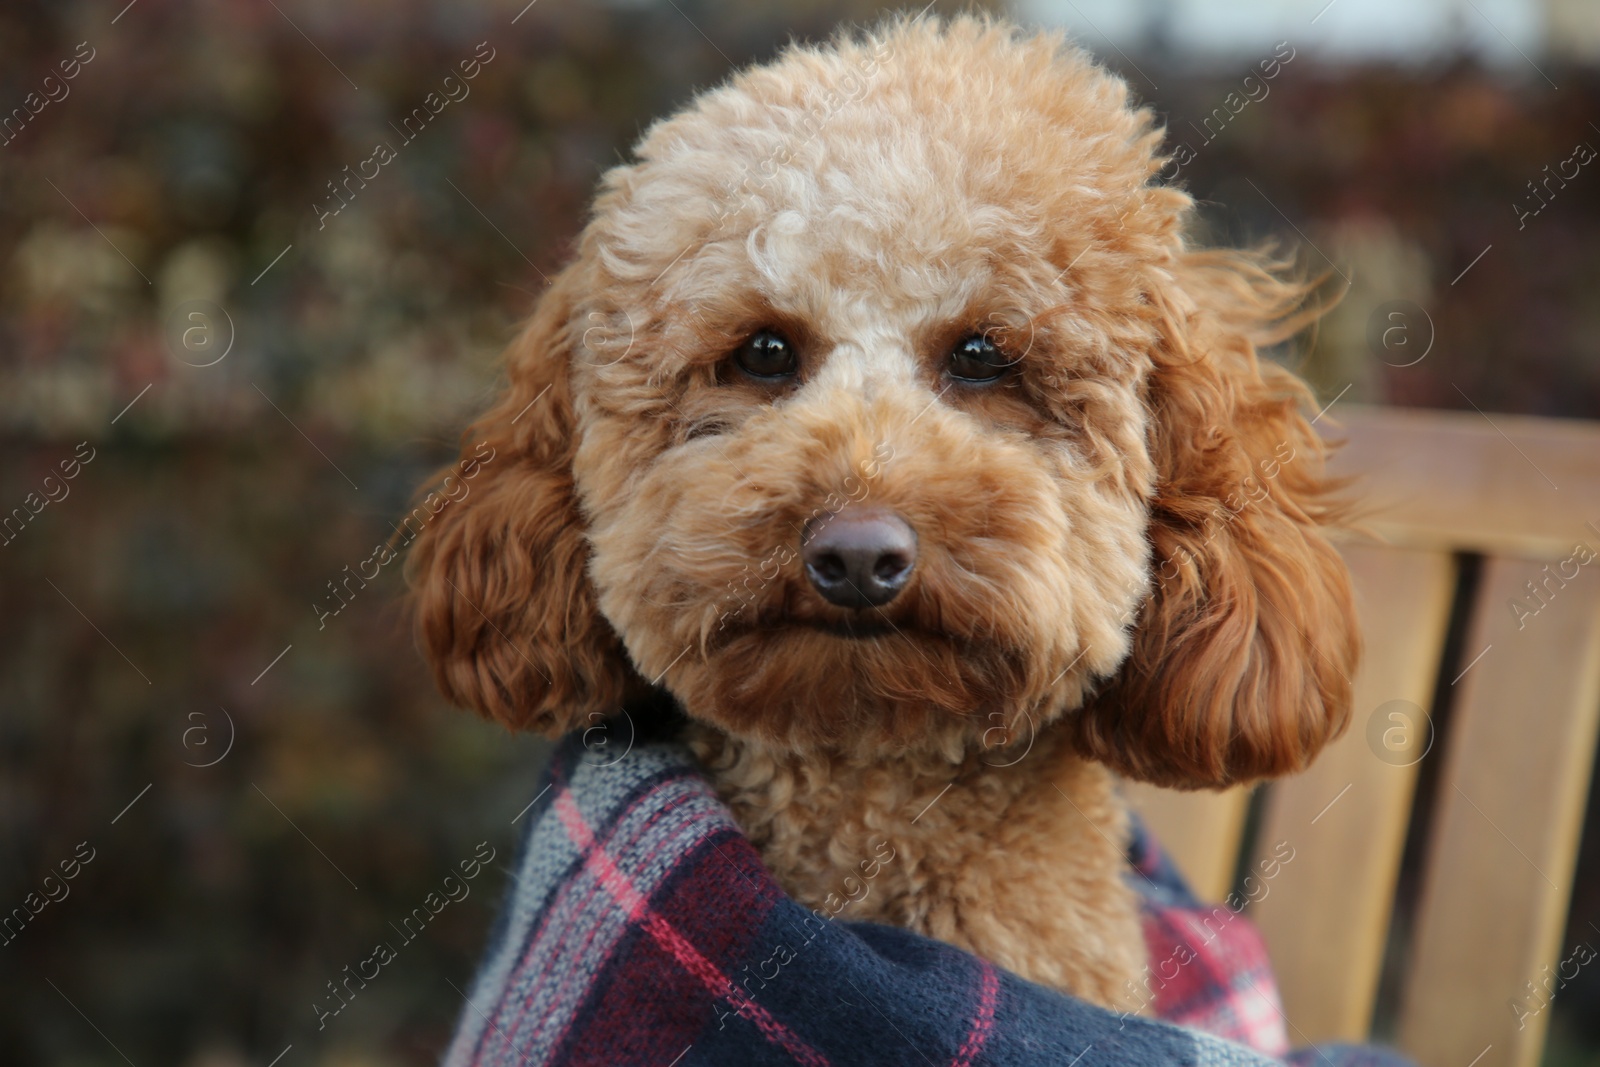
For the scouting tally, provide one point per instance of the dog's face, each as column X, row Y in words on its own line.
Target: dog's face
column 884, row 405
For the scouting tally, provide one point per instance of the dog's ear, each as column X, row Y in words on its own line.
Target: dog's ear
column 503, row 604
column 1242, row 655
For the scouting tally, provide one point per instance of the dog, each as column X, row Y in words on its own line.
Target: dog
column 886, row 418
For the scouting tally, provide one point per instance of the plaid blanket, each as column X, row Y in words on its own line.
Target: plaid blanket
column 642, row 929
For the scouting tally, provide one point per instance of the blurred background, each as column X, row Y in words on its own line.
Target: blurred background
column 249, row 361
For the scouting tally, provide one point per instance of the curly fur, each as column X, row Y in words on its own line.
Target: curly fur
column 1121, row 560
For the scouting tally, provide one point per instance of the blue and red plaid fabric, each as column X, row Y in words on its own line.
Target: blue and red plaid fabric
column 642, row 929
column 1207, row 965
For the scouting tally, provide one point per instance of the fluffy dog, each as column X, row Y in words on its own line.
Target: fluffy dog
column 887, row 420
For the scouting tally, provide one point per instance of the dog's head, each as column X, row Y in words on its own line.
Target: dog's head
column 885, row 404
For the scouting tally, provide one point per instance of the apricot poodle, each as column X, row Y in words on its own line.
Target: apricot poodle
column 886, row 418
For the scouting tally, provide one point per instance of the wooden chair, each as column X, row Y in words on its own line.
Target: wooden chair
column 1518, row 705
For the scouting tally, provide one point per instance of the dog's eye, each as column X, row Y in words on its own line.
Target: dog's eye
column 766, row 354
column 978, row 359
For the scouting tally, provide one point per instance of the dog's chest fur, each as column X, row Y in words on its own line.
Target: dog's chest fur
column 1020, row 864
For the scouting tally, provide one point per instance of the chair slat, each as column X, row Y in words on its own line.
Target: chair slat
column 1510, row 808
column 1436, row 479
column 1325, row 914
column 1200, row 831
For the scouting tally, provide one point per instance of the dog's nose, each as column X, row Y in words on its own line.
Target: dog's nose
column 859, row 557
